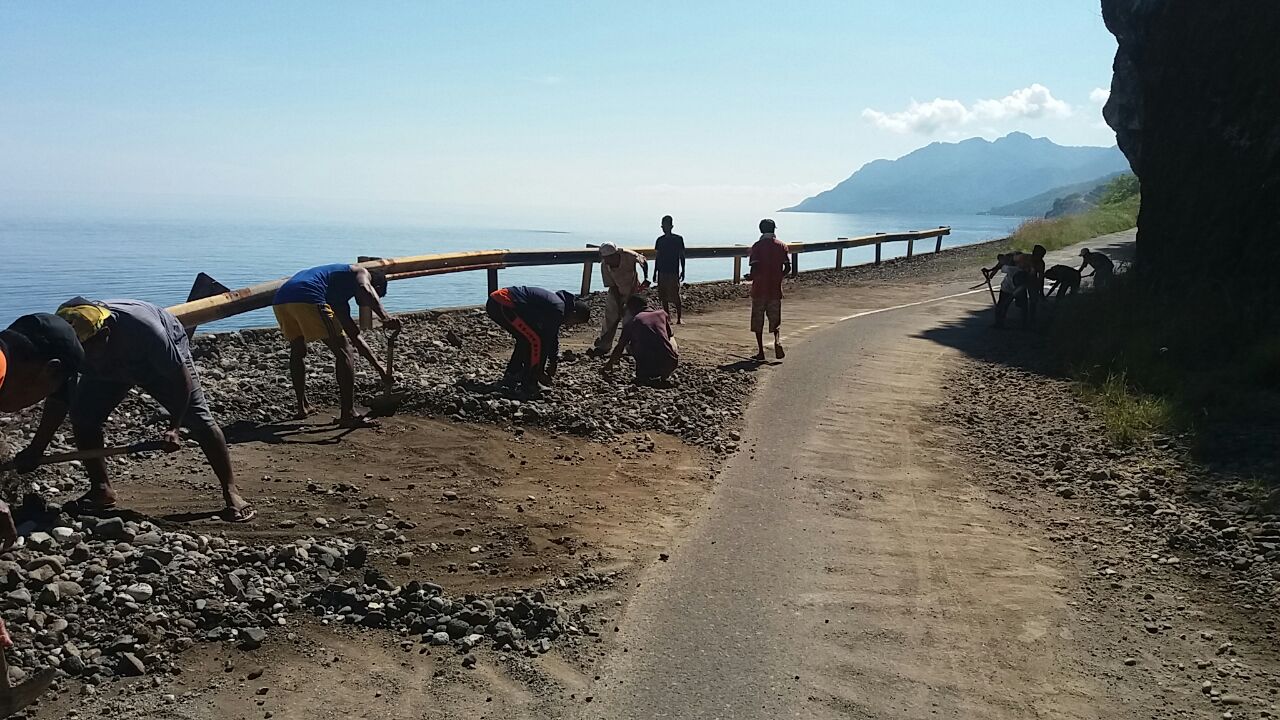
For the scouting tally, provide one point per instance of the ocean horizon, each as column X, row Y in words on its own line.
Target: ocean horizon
column 49, row 260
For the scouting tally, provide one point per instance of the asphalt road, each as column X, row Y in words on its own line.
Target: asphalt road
column 844, row 566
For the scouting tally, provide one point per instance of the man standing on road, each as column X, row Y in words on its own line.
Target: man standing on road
column 668, row 268
column 534, row 316
column 770, row 262
column 127, row 344
column 315, row 305
column 618, row 269
column 1103, row 268
column 647, row 334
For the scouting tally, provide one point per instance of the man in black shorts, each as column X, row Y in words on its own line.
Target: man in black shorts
column 130, row 343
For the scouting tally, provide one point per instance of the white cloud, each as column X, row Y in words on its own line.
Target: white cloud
column 1099, row 96
column 940, row 114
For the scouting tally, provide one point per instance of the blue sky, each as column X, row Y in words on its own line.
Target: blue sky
column 464, row 106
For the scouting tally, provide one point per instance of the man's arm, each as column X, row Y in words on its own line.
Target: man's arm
column 51, row 417
column 681, row 259
column 366, row 296
column 353, row 333
column 786, row 261
column 624, row 338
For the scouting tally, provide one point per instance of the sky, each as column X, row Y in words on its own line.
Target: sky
column 471, row 107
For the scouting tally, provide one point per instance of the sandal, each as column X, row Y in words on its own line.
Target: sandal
column 243, row 515
column 84, row 505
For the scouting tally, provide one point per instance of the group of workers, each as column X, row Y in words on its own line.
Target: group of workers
column 83, row 359
column 1025, row 275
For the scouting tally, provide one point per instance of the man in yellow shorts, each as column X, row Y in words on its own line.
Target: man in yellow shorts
column 315, row 304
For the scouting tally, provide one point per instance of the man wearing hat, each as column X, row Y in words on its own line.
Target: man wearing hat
column 618, row 269
column 130, row 343
column 1103, row 268
column 39, row 356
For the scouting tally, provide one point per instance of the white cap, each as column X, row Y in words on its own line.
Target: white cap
column 607, row 249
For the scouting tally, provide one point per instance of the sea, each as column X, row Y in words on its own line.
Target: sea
column 44, row 261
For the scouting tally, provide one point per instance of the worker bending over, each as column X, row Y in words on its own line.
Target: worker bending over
column 647, row 335
column 315, row 304
column 533, row 316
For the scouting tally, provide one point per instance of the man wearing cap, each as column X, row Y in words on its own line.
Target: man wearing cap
column 315, row 304
column 618, row 269
column 127, row 344
column 534, row 316
column 1103, row 268
column 39, row 356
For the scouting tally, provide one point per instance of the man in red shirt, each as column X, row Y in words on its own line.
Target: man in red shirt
column 770, row 262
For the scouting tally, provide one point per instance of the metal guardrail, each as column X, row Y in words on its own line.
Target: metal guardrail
column 255, row 297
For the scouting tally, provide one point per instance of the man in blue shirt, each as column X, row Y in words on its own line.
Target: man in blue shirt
column 534, row 317
column 313, row 305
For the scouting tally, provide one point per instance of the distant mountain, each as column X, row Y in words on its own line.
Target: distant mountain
column 966, row 177
column 1039, row 205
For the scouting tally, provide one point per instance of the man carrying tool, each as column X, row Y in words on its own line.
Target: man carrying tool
column 1018, row 270
column 313, row 305
column 39, row 355
column 618, row 269
column 127, row 344
column 534, row 317
column 1103, row 268
column 668, row 267
column 646, row 333
column 770, row 262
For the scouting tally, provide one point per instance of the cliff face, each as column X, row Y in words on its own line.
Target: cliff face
column 1195, row 103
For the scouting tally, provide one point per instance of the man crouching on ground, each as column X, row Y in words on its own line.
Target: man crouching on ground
column 315, row 304
column 127, row 344
column 647, row 334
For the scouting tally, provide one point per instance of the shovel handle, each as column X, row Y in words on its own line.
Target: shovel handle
column 138, row 447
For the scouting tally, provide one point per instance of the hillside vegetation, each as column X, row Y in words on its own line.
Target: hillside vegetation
column 1117, row 210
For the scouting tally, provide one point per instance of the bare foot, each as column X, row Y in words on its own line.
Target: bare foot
column 778, row 352
column 92, row 501
column 303, row 413
column 758, row 357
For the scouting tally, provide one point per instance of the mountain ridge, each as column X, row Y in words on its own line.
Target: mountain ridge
column 969, row 176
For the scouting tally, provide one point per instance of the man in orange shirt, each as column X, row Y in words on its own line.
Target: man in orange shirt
column 770, row 262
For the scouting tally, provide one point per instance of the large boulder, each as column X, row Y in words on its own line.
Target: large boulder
column 1195, row 107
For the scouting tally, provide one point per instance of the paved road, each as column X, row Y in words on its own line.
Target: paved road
column 845, row 567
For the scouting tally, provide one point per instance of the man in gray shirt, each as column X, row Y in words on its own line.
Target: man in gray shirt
column 130, row 343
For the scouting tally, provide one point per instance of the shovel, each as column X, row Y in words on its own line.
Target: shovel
column 14, row 698
column 390, row 400
column 138, row 447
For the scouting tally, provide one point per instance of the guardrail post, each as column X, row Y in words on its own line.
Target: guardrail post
column 493, row 280
column 840, row 255
column 938, row 248
column 586, row 277
column 877, row 253
column 366, row 314
column 737, row 269
column 795, row 264
column 911, row 245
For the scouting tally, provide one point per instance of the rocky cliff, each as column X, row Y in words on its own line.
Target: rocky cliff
column 1195, row 104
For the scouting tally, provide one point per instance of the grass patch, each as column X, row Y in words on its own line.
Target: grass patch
column 1130, row 416
column 1117, row 210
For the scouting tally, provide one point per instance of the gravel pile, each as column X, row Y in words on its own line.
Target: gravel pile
column 103, row 598
column 1227, row 526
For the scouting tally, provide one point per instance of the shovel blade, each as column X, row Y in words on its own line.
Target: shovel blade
column 17, row 697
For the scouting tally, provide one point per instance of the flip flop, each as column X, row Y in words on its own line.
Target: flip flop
column 243, row 515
